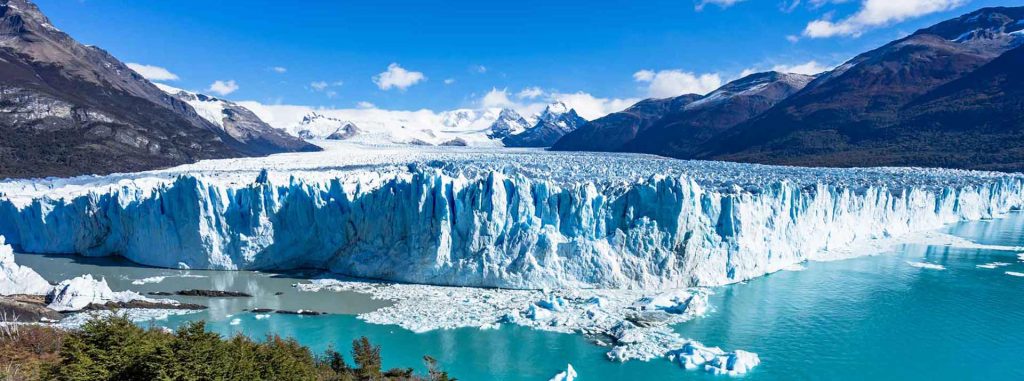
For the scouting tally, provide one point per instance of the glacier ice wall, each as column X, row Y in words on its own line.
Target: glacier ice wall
column 494, row 229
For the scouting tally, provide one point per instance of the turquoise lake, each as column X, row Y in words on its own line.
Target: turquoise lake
column 874, row 317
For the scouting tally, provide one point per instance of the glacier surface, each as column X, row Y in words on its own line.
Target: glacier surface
column 525, row 219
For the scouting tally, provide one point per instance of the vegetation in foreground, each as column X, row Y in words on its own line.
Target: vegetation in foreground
column 114, row 348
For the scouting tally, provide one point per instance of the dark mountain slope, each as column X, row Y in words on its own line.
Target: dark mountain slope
column 68, row 109
column 857, row 114
column 613, row 131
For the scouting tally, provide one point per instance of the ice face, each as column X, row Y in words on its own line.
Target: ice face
column 509, row 219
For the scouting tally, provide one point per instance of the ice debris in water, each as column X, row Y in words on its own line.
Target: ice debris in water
column 926, row 265
column 152, row 279
column 993, row 265
column 569, row 374
column 635, row 324
column 1014, row 273
column 137, row 315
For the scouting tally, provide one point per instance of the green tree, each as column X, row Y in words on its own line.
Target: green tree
column 367, row 359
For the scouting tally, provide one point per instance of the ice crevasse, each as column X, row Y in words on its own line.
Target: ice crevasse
column 497, row 228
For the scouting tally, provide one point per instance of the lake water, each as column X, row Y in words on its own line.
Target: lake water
column 873, row 317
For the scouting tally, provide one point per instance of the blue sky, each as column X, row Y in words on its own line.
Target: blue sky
column 328, row 53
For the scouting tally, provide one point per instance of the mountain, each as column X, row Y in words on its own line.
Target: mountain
column 239, row 123
column 556, row 121
column 873, row 109
column 679, row 126
column 613, row 131
column 509, row 122
column 69, row 109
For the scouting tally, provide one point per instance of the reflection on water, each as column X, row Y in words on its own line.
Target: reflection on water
column 866, row 318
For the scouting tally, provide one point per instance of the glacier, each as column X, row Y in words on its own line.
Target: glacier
column 519, row 219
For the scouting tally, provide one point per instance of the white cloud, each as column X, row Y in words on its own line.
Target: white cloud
column 398, row 78
column 530, row 93
column 644, row 75
column 153, row 73
column 365, row 104
column 671, row 83
column 808, row 68
column 480, row 69
column 591, row 107
column 877, row 13
column 449, row 81
column 793, row 38
column 223, row 87
column 279, row 69
column 497, row 98
column 319, row 85
column 721, row 3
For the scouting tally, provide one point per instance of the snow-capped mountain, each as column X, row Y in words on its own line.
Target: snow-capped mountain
column 509, row 122
column 238, row 122
column 557, row 120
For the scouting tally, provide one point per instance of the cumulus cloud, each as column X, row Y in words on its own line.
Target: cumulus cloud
column 671, row 83
column 808, row 68
column 497, row 98
column 319, row 85
column 877, row 13
column 449, row 81
column 279, row 69
column 396, row 77
column 721, row 3
column 591, row 107
column 811, row 67
column 223, row 87
column 153, row 73
column 530, row 93
column 365, row 104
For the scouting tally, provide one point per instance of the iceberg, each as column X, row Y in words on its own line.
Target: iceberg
column 519, row 219
column 713, row 360
column 79, row 293
column 18, row 280
column 569, row 374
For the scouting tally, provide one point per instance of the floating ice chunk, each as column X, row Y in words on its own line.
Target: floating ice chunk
column 676, row 302
column 993, row 265
column 553, row 303
column 78, row 293
column 262, row 316
column 926, row 265
column 1014, row 273
column 15, row 279
column 694, row 355
column 152, row 279
column 569, row 374
column 235, row 321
